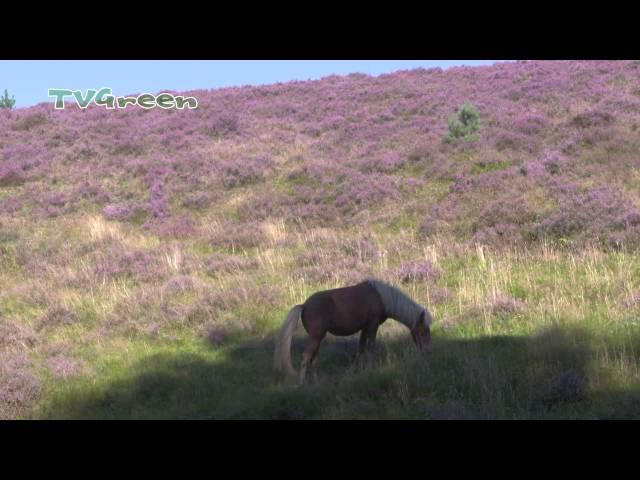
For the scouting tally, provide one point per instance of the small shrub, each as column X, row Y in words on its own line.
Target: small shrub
column 6, row 102
column 464, row 125
column 29, row 121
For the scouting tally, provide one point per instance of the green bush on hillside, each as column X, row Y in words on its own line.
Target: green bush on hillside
column 6, row 102
column 464, row 125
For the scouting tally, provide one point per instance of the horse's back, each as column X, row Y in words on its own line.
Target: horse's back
column 343, row 311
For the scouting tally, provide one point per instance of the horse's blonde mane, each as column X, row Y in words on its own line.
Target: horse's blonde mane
column 398, row 305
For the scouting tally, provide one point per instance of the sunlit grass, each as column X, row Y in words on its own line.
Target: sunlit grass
column 580, row 296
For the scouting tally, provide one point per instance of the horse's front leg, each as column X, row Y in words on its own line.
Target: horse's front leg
column 369, row 335
column 372, row 339
column 363, row 342
column 367, row 343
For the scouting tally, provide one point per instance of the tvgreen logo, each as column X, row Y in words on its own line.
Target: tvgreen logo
column 103, row 97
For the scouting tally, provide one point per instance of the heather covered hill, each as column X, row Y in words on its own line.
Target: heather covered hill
column 557, row 140
column 141, row 250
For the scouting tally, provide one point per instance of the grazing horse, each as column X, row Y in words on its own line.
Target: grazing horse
column 345, row 311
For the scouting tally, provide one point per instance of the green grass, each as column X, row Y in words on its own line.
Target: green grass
column 465, row 377
column 483, row 363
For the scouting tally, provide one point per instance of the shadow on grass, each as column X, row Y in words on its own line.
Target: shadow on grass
column 550, row 375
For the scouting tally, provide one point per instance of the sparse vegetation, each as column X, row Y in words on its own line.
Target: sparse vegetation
column 6, row 102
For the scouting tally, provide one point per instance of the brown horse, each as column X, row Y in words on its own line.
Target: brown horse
column 345, row 311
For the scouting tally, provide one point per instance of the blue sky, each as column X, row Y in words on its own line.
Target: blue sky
column 29, row 80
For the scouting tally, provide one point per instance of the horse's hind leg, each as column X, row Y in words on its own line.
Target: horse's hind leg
column 310, row 352
column 314, row 368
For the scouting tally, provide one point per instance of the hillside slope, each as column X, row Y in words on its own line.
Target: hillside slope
column 184, row 236
column 557, row 136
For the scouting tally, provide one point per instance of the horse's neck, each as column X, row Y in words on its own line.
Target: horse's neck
column 402, row 314
column 397, row 305
column 406, row 322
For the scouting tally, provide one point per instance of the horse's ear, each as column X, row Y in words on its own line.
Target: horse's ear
column 422, row 319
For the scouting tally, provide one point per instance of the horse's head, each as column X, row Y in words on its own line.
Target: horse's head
column 421, row 332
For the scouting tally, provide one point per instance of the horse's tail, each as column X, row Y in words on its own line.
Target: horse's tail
column 282, row 356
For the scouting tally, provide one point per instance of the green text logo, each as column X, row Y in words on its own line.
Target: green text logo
column 104, row 98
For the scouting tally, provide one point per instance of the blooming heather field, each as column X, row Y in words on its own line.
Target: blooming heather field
column 148, row 257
